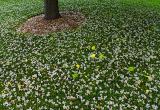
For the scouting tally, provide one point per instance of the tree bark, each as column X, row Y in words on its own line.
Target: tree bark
column 51, row 9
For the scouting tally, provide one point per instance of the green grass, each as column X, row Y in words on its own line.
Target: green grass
column 150, row 3
column 111, row 62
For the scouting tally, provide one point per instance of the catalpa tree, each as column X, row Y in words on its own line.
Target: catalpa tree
column 51, row 9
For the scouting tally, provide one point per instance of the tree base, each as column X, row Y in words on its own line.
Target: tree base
column 40, row 26
column 52, row 18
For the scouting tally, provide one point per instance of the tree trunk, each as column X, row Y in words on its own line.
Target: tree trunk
column 51, row 9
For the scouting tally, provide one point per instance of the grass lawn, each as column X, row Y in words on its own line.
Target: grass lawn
column 111, row 62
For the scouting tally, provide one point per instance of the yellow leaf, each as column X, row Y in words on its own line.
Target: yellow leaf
column 101, row 56
column 93, row 47
column 75, row 75
column 93, row 56
column 78, row 66
column 131, row 69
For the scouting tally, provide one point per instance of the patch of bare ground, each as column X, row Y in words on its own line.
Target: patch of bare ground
column 39, row 26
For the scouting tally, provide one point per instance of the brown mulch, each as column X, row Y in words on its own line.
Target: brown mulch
column 38, row 25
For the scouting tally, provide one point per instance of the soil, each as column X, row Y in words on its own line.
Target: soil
column 38, row 25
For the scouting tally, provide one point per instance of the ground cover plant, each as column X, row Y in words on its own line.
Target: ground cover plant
column 111, row 62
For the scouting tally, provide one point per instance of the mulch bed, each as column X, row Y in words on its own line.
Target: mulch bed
column 38, row 25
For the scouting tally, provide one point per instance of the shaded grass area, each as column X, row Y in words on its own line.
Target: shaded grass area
column 111, row 62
